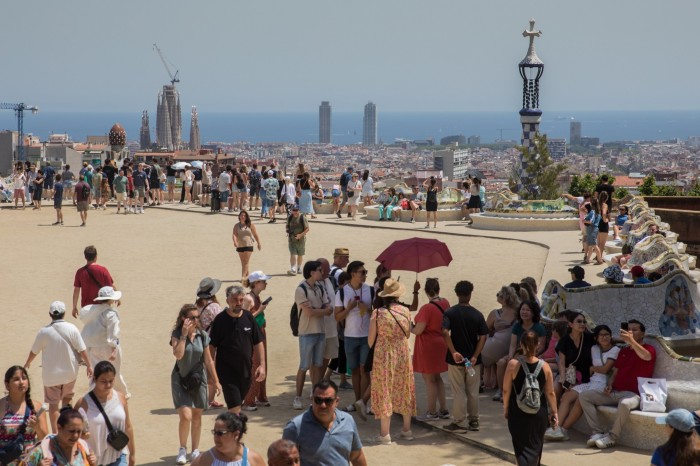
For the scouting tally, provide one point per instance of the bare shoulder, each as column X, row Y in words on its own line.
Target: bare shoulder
column 205, row 459
column 255, row 459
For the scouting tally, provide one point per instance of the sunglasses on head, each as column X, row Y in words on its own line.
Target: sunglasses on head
column 320, row 401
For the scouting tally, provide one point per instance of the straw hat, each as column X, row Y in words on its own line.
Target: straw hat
column 392, row 289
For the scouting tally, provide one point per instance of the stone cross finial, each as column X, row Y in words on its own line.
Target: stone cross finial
column 532, row 33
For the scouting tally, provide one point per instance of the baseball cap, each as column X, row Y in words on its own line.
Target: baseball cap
column 295, row 207
column 679, row 419
column 57, row 308
column 578, row 271
column 257, row 276
column 270, row 173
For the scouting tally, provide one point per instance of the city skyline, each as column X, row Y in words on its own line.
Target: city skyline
column 458, row 57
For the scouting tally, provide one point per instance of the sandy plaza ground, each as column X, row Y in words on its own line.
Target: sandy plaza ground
column 157, row 260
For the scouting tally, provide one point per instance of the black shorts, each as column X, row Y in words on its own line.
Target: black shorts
column 603, row 226
column 48, row 183
column 245, row 249
column 474, row 202
column 431, row 206
column 37, row 193
column 235, row 392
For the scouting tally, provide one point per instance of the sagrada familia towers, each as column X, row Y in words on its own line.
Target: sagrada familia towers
column 169, row 118
column 194, row 130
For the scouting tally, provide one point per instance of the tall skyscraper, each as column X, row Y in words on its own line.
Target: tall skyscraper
column 169, row 118
column 575, row 133
column 195, row 143
column 324, row 122
column 145, row 136
column 531, row 69
column 369, row 127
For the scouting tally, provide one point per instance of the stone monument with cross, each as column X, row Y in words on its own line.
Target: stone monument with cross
column 531, row 69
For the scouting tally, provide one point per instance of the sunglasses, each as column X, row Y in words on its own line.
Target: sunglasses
column 320, row 401
column 363, row 272
column 193, row 317
column 220, row 433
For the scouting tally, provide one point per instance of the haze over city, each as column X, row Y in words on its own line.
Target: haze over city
column 278, row 56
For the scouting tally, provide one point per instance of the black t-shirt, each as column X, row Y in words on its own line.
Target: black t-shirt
column 584, row 362
column 608, row 189
column 170, row 171
column 110, row 171
column 234, row 339
column 466, row 324
column 197, row 174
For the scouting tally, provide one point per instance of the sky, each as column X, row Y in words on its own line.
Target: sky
column 403, row 55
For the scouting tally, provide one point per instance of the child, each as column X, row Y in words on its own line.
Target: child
column 58, row 199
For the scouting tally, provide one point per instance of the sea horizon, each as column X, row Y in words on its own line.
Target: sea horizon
column 302, row 127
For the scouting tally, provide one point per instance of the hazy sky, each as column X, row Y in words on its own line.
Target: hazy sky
column 404, row 55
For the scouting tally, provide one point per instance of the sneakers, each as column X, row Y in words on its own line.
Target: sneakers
column 345, row 385
column 338, row 214
column 385, row 440
column 249, row 408
column 557, row 434
column 298, row 270
column 454, row 427
column 498, row 396
column 291, row 271
column 413, row 220
column 350, row 408
column 297, row 403
column 474, row 425
column 264, row 403
column 194, row 455
column 181, row 456
column 444, row 414
column 360, row 408
column 427, row 417
column 593, row 439
column 605, row 442
column 408, row 435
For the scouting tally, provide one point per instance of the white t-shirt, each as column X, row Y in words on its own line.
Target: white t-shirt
column 600, row 360
column 59, row 367
column 224, row 181
column 329, row 322
column 19, row 181
column 356, row 326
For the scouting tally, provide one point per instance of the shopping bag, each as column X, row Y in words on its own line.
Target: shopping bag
column 653, row 394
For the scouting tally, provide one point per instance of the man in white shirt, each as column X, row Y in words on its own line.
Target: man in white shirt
column 59, row 343
column 224, row 182
column 353, row 303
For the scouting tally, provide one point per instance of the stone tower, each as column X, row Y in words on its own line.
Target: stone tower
column 169, row 118
column 195, row 143
column 145, row 136
column 531, row 69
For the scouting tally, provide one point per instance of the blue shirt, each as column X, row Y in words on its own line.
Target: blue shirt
column 58, row 192
column 320, row 447
column 642, row 281
column 657, row 458
column 140, row 178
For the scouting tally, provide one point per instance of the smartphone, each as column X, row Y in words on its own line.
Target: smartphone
column 625, row 326
column 267, row 301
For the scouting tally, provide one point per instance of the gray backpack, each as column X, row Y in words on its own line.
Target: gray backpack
column 529, row 397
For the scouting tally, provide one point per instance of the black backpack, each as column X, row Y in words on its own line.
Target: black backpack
column 86, row 191
column 295, row 312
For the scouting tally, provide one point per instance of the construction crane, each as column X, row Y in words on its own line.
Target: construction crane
column 19, row 111
column 173, row 77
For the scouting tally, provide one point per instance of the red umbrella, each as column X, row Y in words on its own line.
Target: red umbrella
column 415, row 255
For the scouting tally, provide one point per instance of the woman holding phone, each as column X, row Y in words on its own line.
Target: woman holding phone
column 257, row 282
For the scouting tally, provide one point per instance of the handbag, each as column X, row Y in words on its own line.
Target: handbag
column 116, row 438
column 570, row 373
column 351, row 193
column 193, row 379
column 653, row 394
column 14, row 449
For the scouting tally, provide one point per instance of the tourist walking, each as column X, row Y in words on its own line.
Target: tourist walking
column 58, row 200
column 209, row 308
column 254, row 181
column 474, row 204
column 393, row 388
column 297, row 229
column 62, row 349
column 229, row 449
column 431, row 202
column 430, row 349
column 306, row 185
column 140, row 187
column 89, row 279
column 310, row 431
column 367, row 188
column 244, row 237
column 354, row 190
column 101, row 332
column 313, row 305
column 103, row 407
column 19, row 415
column 68, row 179
column 271, row 185
column 188, row 379
column 235, row 337
column 65, row 447
column 500, row 323
column 256, row 282
column 120, row 184
column 345, row 179
column 527, row 427
column 465, row 331
column 81, row 200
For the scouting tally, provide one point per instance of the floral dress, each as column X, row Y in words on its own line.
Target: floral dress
column 393, row 387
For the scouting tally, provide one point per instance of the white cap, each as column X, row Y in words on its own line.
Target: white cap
column 257, row 276
column 57, row 308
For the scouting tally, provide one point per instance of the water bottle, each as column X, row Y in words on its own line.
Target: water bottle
column 470, row 368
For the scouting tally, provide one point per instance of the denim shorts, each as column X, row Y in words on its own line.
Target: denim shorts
column 311, row 348
column 223, row 196
column 121, row 461
column 356, row 350
column 169, row 180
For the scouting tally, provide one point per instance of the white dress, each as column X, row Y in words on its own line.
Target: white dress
column 598, row 381
column 95, row 422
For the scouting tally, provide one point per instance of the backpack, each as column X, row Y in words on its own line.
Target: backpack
column 86, row 191
column 529, row 397
column 345, row 179
column 333, row 275
column 254, row 178
column 295, row 312
column 371, row 294
column 239, row 181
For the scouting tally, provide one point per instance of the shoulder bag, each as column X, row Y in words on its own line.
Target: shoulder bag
column 116, row 438
column 369, row 362
column 78, row 357
column 570, row 374
column 87, row 269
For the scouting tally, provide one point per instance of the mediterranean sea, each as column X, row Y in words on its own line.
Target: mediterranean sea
column 347, row 127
